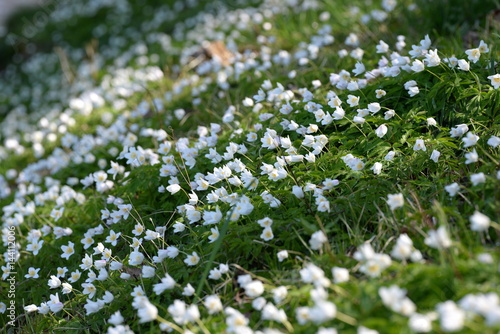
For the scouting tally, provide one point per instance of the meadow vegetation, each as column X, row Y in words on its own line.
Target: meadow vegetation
column 271, row 166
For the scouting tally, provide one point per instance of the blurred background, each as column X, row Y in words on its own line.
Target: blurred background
column 42, row 38
column 7, row 7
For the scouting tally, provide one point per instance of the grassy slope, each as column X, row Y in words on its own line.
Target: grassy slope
column 358, row 209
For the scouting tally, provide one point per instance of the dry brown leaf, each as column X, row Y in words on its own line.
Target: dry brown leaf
column 134, row 273
column 217, row 50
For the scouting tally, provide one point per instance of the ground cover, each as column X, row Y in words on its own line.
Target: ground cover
column 257, row 166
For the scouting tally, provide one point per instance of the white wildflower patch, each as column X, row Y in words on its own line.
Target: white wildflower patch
column 221, row 168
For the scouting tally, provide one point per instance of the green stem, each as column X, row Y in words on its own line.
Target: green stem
column 346, row 318
column 171, row 324
column 215, row 251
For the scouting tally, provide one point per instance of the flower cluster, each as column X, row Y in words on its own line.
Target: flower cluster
column 219, row 196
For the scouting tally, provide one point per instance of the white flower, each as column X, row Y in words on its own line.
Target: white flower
column 322, row 203
column 213, row 304
column 145, row 310
column 412, row 91
column 431, row 121
column 75, row 276
column 108, row 297
column 323, row 311
column 355, row 164
column 435, row 156
column 358, row 120
column 438, row 239
column 179, row 113
column 135, row 258
column 483, row 47
column 54, row 282
column 173, row 188
column 485, row 258
column 67, row 288
column 395, row 201
column 380, row 93
column 389, row 6
column 473, row 54
column 382, row 47
column 352, row 100
column 303, row 315
column 259, row 303
column 68, row 250
column 495, row 80
column 188, row 290
column 374, row 107
column 32, row 273
column 340, row 275
column 494, row 141
column 419, row 145
column 125, row 276
column 477, row 178
column 339, row 113
column 381, row 131
column 267, row 234
column 215, row 274
column 452, row 189
column 271, row 312
column 451, row 318
column 297, row 191
column 432, row 58
column 254, row 289
column 212, row 217
column 395, row 298
column 479, row 221
column 403, row 248
column 317, row 240
column 265, row 222
column 389, row 156
column 471, row 157
column 463, row 65
column 179, row 227
column 214, row 234
column 459, row 130
column 116, row 319
column 470, row 139
column 270, row 139
column 282, row 255
column 279, row 294
column 55, row 304
column 30, row 308
column 452, row 61
column 35, row 246
column 314, row 275
column 374, row 266
column 417, row 66
column 359, row 68
column 389, row 114
column 352, row 40
column 420, row 323
column 329, row 183
column 172, row 252
column 57, row 213
column 138, row 229
column 192, row 259
column 89, row 289
column 377, row 168
column 248, row 102
column 148, row 271
column 409, row 84
column 113, row 237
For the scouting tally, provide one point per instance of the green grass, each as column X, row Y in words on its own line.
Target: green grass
column 358, row 209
